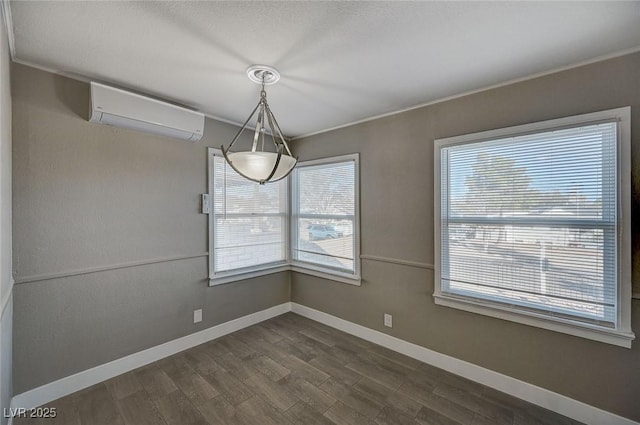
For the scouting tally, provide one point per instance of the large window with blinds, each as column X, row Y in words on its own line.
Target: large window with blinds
column 324, row 222
column 248, row 222
column 533, row 224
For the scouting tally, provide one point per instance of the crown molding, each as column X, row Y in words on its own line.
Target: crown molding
column 480, row 90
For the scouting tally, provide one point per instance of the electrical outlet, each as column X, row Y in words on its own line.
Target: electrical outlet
column 388, row 320
column 197, row 315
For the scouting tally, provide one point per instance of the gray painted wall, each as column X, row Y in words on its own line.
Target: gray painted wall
column 6, row 284
column 396, row 156
column 89, row 196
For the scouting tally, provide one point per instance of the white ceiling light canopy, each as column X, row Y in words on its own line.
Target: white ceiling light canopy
column 258, row 164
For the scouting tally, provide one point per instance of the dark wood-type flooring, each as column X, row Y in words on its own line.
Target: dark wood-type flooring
column 292, row 370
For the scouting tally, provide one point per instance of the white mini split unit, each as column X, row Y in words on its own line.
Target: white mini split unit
column 129, row 110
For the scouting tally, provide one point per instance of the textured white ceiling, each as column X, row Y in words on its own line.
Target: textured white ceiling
column 340, row 61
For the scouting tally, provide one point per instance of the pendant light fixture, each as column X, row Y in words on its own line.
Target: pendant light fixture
column 259, row 164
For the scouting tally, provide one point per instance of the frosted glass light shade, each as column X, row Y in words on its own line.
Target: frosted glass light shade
column 259, row 165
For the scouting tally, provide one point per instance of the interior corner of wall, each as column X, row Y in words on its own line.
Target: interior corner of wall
column 289, row 273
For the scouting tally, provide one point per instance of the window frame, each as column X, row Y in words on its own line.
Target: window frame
column 316, row 269
column 218, row 278
column 622, row 335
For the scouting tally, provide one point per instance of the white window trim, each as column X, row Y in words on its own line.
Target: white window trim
column 248, row 273
column 623, row 335
column 315, row 269
column 287, row 265
column 219, row 278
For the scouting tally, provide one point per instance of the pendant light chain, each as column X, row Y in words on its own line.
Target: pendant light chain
column 263, row 97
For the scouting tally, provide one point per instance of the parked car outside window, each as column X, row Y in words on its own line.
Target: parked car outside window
column 323, row 231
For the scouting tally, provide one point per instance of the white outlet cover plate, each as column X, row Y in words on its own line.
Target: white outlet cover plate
column 388, row 320
column 197, row 316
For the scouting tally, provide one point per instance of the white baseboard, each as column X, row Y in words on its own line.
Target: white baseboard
column 539, row 396
column 12, row 406
column 70, row 384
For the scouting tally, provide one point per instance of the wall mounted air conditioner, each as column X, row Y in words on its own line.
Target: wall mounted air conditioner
column 129, row 110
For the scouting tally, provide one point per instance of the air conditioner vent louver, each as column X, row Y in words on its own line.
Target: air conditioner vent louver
column 129, row 110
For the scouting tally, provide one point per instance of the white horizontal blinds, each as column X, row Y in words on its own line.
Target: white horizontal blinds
column 325, row 214
column 249, row 220
column 530, row 221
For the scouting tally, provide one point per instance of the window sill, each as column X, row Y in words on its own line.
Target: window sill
column 248, row 274
column 318, row 272
column 583, row 330
column 277, row 268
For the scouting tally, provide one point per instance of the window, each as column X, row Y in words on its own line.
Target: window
column 325, row 225
column 533, row 224
column 249, row 222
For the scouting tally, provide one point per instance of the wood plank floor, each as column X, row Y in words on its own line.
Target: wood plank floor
column 291, row 370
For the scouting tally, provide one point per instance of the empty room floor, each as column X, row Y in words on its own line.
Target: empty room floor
column 291, row 370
